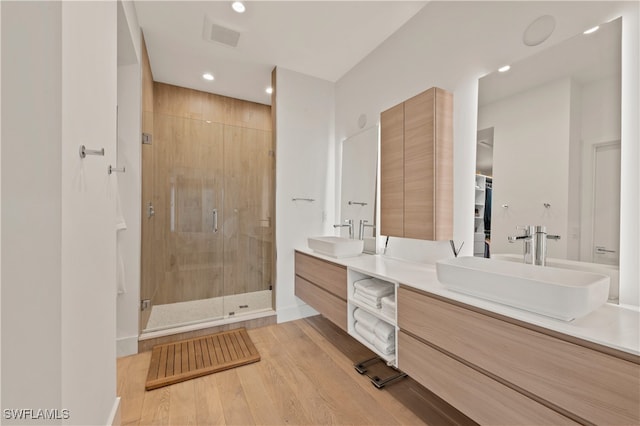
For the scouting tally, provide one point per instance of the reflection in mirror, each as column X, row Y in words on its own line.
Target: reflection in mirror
column 358, row 188
column 554, row 151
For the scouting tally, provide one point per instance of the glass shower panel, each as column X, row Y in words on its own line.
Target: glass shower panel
column 187, row 243
column 249, row 168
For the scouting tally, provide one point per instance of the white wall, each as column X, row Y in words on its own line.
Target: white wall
column 130, row 182
column 451, row 45
column 58, row 313
column 89, row 98
column 530, row 164
column 304, row 169
column 31, row 205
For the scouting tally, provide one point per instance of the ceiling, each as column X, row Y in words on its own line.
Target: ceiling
column 584, row 58
column 323, row 39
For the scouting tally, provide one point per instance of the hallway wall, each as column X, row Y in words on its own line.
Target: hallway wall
column 58, row 210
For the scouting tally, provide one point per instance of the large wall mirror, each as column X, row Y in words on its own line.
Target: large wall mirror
column 549, row 149
column 358, row 184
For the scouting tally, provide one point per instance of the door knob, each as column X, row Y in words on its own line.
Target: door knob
column 150, row 211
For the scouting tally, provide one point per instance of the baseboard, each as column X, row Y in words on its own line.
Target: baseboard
column 292, row 313
column 127, row 346
column 114, row 417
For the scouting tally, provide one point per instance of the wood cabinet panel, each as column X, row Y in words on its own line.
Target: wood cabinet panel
column 326, row 275
column 444, row 166
column 330, row 306
column 481, row 398
column 419, row 166
column 392, row 172
column 585, row 384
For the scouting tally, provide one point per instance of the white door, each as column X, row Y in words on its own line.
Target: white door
column 606, row 205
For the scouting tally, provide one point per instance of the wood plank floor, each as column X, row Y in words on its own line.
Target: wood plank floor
column 305, row 377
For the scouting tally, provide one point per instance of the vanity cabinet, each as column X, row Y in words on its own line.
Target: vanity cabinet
column 416, row 160
column 494, row 369
column 323, row 286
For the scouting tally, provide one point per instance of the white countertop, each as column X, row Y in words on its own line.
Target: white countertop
column 611, row 325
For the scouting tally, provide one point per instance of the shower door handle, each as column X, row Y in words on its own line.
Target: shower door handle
column 215, row 220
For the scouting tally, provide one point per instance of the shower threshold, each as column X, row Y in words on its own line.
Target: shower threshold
column 197, row 314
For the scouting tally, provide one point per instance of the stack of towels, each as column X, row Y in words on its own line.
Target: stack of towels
column 389, row 305
column 369, row 292
column 376, row 332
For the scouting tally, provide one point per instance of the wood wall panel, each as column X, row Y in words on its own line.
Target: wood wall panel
column 209, row 152
column 188, row 103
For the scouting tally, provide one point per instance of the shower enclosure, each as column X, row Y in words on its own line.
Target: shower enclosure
column 208, row 185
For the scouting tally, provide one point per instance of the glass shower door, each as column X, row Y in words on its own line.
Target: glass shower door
column 185, row 251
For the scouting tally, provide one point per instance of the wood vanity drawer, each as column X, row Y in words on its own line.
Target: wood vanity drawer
column 330, row 306
column 326, row 275
column 483, row 399
column 585, row 384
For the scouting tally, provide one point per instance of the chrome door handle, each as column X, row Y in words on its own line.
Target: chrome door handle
column 603, row 250
column 215, row 220
column 150, row 211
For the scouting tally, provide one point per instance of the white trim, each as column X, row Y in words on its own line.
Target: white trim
column 292, row 313
column 127, row 346
column 114, row 416
column 203, row 325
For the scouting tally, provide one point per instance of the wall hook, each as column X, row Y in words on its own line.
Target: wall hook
column 115, row 169
column 547, row 205
column 84, row 151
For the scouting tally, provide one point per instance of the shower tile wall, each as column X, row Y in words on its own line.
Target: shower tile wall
column 209, row 152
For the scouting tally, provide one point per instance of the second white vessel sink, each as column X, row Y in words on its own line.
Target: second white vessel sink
column 336, row 246
column 554, row 292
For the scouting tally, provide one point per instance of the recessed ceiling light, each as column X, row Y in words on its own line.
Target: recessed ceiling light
column 504, row 68
column 269, row 90
column 592, row 30
column 207, row 76
column 238, row 6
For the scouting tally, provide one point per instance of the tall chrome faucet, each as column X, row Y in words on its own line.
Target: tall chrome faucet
column 347, row 224
column 535, row 243
column 363, row 225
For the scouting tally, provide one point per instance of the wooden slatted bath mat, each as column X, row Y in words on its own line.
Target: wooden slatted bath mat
column 176, row 362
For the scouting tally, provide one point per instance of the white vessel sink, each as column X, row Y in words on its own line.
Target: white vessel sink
column 559, row 293
column 613, row 272
column 336, row 246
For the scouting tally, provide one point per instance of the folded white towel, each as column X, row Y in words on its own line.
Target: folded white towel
column 388, row 313
column 374, row 287
column 389, row 305
column 364, row 333
column 384, row 347
column 385, row 332
column 366, row 319
column 358, row 298
column 389, row 301
column 370, row 298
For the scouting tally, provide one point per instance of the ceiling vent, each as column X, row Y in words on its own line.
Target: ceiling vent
column 220, row 34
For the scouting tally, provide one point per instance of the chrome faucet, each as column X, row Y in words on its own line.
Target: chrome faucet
column 347, row 223
column 535, row 243
column 363, row 224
